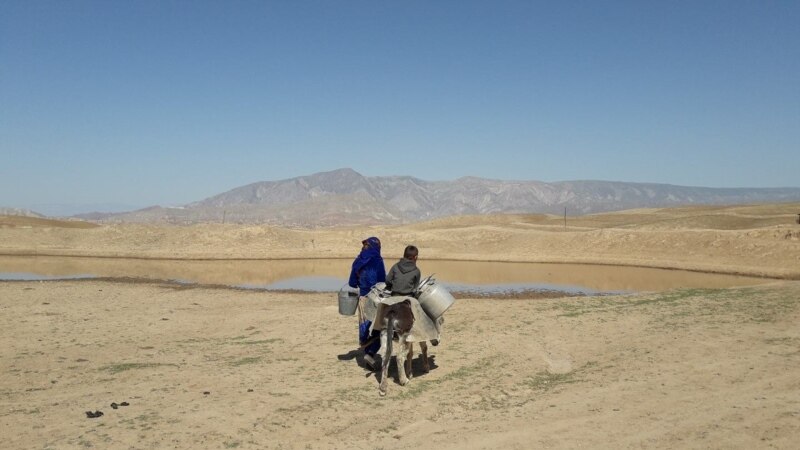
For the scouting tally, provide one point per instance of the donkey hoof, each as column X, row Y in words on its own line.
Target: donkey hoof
column 382, row 393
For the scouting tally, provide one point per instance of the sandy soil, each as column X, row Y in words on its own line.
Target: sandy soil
column 221, row 368
column 218, row 368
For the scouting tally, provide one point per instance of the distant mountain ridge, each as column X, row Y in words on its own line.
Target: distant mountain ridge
column 345, row 197
column 19, row 212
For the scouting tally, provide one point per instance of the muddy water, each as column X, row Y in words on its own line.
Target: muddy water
column 331, row 274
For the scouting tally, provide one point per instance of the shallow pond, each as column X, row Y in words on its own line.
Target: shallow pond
column 331, row 274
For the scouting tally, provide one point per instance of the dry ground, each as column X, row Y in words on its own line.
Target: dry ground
column 679, row 369
column 714, row 368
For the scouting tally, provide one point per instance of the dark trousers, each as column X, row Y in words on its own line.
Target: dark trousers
column 364, row 335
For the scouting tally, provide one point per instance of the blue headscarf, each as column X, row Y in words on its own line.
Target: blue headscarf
column 373, row 242
column 368, row 267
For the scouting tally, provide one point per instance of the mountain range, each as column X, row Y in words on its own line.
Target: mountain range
column 346, row 197
column 19, row 212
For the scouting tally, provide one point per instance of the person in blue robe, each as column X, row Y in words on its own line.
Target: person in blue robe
column 367, row 270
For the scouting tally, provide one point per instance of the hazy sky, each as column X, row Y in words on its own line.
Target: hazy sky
column 148, row 102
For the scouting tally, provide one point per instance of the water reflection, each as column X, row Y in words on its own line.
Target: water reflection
column 330, row 274
column 596, row 278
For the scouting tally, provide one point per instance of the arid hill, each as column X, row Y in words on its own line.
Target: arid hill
column 761, row 240
column 15, row 221
column 345, row 197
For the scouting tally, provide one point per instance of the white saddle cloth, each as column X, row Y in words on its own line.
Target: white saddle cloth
column 424, row 329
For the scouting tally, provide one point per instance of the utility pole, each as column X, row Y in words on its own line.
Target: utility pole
column 224, row 212
column 565, row 217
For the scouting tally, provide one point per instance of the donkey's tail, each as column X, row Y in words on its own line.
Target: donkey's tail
column 390, row 323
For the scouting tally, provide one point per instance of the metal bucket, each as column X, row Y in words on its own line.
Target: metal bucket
column 348, row 300
column 435, row 299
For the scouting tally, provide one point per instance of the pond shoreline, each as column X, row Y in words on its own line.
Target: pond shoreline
column 687, row 268
column 468, row 278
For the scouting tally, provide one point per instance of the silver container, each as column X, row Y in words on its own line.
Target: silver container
column 435, row 299
column 348, row 300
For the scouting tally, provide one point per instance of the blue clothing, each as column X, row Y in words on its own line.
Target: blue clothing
column 364, row 335
column 372, row 242
column 367, row 270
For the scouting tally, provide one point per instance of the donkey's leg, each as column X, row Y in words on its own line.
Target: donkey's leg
column 382, row 350
column 402, row 355
column 386, row 338
column 409, row 369
column 423, row 346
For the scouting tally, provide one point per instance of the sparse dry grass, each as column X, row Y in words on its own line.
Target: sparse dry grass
column 268, row 370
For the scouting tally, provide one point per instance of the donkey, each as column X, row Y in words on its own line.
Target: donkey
column 398, row 321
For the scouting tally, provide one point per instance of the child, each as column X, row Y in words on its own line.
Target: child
column 403, row 278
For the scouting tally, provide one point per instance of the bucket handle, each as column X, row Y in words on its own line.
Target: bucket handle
column 425, row 281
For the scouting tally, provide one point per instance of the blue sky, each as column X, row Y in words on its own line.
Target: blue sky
column 128, row 104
